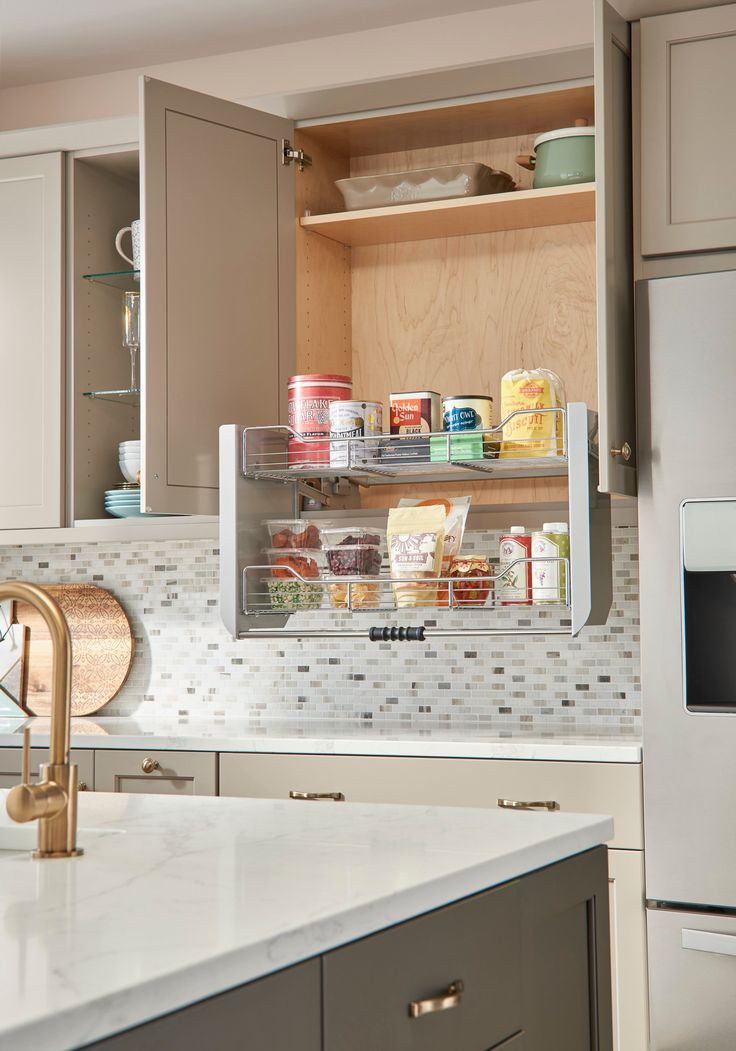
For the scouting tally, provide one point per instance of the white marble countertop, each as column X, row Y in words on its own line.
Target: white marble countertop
column 178, row 899
column 343, row 737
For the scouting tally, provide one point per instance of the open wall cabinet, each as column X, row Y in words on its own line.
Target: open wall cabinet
column 251, row 270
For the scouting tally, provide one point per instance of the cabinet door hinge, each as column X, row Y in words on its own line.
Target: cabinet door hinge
column 289, row 154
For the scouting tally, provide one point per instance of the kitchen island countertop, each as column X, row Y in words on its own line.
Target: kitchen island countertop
column 176, row 900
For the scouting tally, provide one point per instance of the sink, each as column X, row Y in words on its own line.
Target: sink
column 19, row 838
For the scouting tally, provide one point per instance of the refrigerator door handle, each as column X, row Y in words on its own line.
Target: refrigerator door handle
column 709, row 941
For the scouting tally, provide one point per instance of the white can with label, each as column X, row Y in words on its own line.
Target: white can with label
column 354, row 419
column 549, row 578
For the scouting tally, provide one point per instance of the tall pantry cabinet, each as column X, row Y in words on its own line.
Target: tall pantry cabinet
column 237, row 294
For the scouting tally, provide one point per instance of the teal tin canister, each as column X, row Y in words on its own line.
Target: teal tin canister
column 562, row 158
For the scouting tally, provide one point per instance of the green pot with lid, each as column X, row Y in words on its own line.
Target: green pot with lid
column 563, row 157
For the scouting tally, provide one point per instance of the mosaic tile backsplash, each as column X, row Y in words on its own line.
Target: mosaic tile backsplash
column 185, row 663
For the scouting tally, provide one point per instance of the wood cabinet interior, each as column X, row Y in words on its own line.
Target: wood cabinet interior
column 451, row 313
column 104, row 198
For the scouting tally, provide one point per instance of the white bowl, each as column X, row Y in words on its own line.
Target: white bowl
column 129, row 447
column 130, row 473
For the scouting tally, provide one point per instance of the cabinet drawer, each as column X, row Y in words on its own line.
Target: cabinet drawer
column 598, row 788
column 368, row 986
column 11, row 761
column 153, row 772
column 691, row 989
column 278, row 1013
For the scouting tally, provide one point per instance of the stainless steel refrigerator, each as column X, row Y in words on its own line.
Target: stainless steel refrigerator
column 686, row 350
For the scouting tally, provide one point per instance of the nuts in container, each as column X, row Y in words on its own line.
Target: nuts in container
column 355, row 553
column 288, row 584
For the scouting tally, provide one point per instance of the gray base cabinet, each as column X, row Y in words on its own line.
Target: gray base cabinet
column 278, row 1013
column 522, row 966
column 156, row 772
column 11, row 760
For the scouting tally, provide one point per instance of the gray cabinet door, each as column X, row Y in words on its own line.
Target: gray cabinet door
column 156, row 773
column 368, row 987
column 217, row 284
column 688, row 162
column 278, row 1013
column 614, row 252
column 566, row 951
column 31, row 341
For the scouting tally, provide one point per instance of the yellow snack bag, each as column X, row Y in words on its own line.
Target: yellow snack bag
column 532, row 434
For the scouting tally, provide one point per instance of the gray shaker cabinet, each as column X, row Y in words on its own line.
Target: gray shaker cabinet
column 688, row 151
column 217, row 285
column 277, row 1013
column 154, row 772
column 32, row 341
column 521, row 966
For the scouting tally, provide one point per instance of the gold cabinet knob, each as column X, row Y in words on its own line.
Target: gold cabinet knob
column 625, row 451
column 149, row 765
column 82, row 786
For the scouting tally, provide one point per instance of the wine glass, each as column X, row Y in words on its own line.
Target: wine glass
column 132, row 329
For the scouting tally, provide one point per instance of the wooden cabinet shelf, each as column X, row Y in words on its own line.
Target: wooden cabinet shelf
column 519, row 210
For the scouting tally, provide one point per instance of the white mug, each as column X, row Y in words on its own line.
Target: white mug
column 135, row 235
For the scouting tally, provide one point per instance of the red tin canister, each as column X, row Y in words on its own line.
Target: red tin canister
column 310, row 397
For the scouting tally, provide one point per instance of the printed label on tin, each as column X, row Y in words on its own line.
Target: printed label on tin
column 411, row 415
column 462, row 418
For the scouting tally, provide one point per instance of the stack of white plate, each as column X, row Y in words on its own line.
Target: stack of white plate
column 129, row 460
column 124, row 501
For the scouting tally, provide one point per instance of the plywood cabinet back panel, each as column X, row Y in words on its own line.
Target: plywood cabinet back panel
column 323, row 294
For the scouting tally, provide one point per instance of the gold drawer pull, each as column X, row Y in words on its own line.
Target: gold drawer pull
column 82, row 786
column 149, row 765
column 450, row 998
column 319, row 797
column 524, row 804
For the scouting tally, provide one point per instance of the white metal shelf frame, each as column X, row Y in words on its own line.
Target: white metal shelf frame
column 257, row 482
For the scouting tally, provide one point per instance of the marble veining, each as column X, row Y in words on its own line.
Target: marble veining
column 333, row 737
column 195, row 896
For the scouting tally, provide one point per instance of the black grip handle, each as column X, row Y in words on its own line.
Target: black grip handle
column 397, row 634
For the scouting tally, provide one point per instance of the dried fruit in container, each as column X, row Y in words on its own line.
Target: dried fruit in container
column 467, row 589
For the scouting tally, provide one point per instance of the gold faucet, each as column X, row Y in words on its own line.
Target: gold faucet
column 53, row 801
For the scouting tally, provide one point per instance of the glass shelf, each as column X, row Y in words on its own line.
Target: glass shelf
column 125, row 280
column 122, row 397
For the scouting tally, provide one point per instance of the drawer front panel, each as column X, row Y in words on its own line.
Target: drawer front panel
column 597, row 788
column 691, row 989
column 161, row 773
column 278, row 1013
column 368, row 986
column 10, row 765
